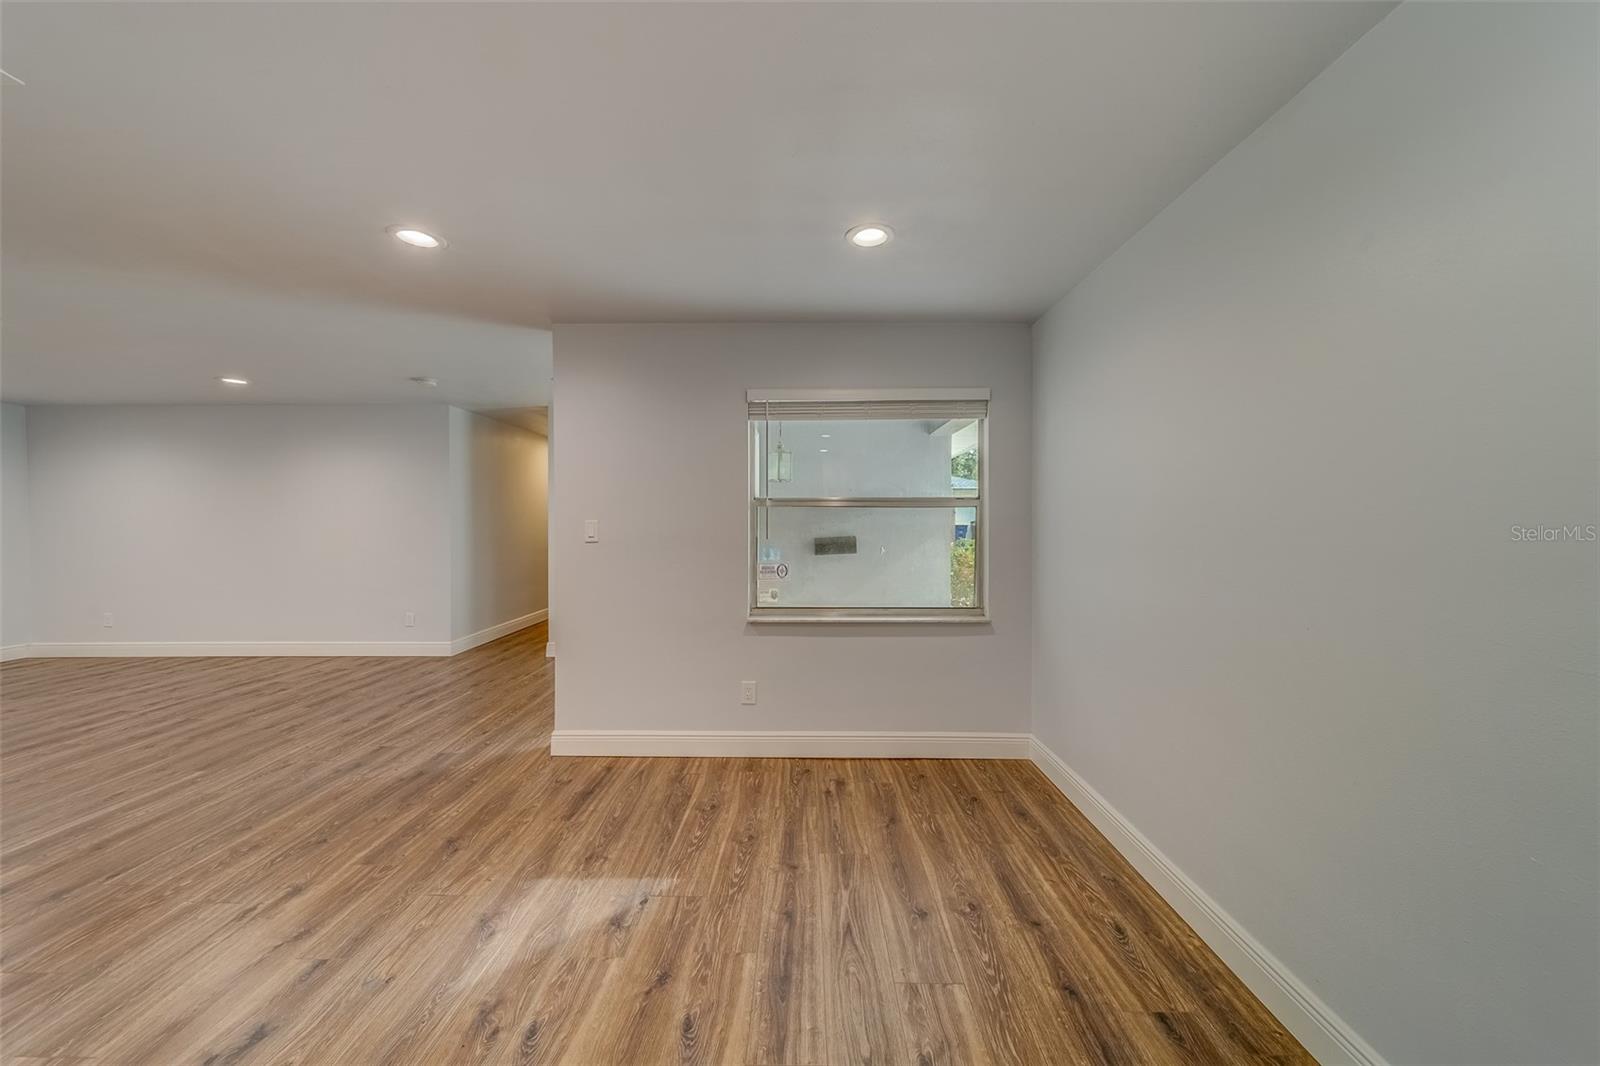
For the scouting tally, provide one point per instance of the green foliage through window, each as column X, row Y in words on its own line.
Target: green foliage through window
column 963, row 573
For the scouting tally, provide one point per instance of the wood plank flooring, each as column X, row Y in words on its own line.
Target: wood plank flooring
column 327, row 861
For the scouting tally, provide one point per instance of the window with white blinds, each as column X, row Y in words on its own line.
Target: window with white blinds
column 867, row 505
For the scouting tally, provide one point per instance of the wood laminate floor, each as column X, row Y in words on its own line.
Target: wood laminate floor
column 328, row 861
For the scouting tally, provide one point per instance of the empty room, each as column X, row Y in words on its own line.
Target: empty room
column 800, row 534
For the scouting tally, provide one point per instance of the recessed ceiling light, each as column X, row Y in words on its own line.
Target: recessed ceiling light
column 824, row 451
column 869, row 236
column 415, row 237
column 425, row 382
column 234, row 381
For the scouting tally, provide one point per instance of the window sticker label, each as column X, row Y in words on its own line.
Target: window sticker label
column 769, row 581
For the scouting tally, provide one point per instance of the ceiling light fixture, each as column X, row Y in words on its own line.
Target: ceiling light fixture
column 869, row 236
column 415, row 237
column 236, row 382
column 429, row 383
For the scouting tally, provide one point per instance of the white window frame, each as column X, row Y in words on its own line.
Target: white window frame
column 755, row 465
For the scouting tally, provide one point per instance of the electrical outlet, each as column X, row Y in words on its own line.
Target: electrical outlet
column 747, row 693
column 411, row 619
column 105, row 620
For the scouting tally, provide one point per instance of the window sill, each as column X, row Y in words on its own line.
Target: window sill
column 976, row 617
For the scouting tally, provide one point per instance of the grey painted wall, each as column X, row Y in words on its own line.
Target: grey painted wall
column 16, row 561
column 264, row 523
column 652, row 631
column 1283, row 619
column 233, row 522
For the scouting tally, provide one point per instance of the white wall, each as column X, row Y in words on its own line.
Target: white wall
column 498, row 523
column 1283, row 622
column 239, row 523
column 653, row 633
column 16, row 566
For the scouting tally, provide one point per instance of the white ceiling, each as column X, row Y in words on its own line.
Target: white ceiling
column 198, row 189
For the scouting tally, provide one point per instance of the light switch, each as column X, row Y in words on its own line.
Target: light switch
column 591, row 531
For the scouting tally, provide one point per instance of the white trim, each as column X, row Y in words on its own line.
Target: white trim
column 1327, row 1036
column 549, row 649
column 186, row 649
column 178, row 649
column 791, row 745
column 484, row 636
column 860, row 395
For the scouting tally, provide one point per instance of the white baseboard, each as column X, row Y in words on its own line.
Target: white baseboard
column 484, row 636
column 188, row 649
column 177, row 649
column 792, row 745
column 1329, row 1039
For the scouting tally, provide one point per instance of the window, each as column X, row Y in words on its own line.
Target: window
column 867, row 506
